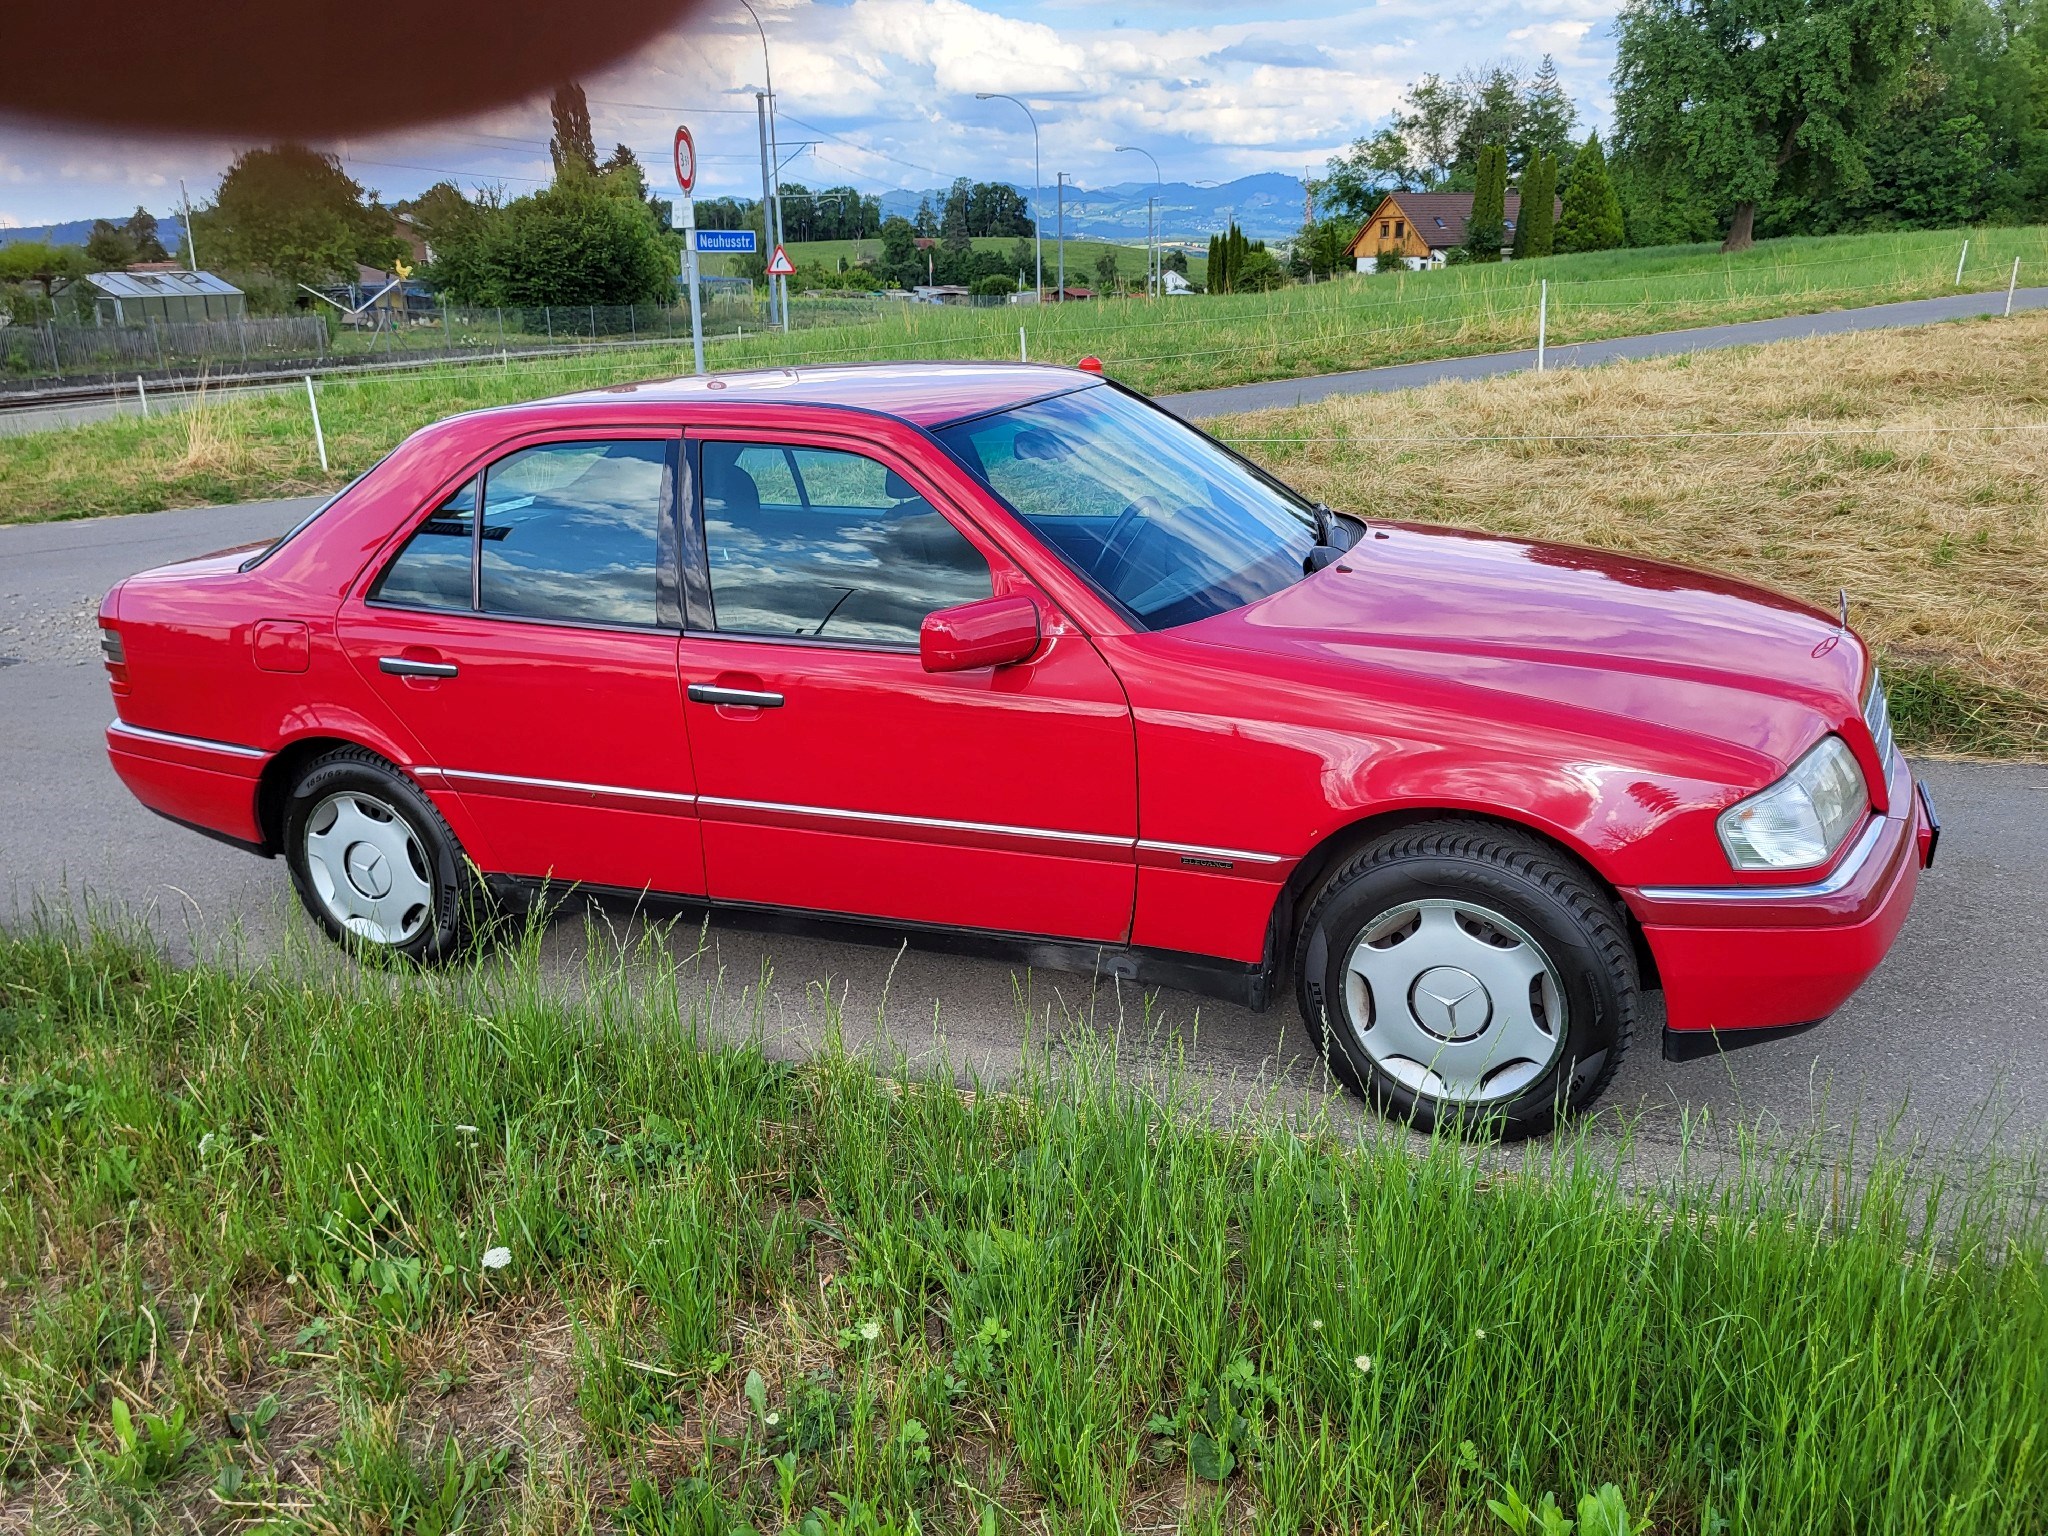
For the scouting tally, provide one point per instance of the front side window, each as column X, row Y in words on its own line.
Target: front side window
column 570, row 531
column 1158, row 517
column 824, row 544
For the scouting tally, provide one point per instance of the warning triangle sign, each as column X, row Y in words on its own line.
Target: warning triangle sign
column 779, row 265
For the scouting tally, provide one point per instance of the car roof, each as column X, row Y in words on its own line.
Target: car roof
column 925, row 394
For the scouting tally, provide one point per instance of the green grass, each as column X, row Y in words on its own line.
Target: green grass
column 264, row 446
column 377, row 1252
column 1081, row 257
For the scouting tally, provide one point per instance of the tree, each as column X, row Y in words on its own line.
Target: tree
column 996, row 285
column 1548, row 117
column 1494, row 113
column 36, row 261
column 927, row 222
column 1536, row 227
column 1174, row 260
column 956, row 229
column 107, row 248
column 1319, row 248
column 1485, row 227
column 902, row 264
column 572, row 148
column 143, row 238
column 577, row 242
column 1591, row 220
column 1737, row 97
column 294, row 213
column 1108, row 275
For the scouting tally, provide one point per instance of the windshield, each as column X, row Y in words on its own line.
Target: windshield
column 1162, row 520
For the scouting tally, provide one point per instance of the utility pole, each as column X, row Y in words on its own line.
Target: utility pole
column 191, row 240
column 767, row 198
column 1061, row 182
column 771, row 182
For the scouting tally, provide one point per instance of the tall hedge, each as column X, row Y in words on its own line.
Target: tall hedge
column 1591, row 220
column 1487, row 227
column 1536, row 228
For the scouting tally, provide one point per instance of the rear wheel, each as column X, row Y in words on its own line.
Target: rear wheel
column 1460, row 972
column 373, row 861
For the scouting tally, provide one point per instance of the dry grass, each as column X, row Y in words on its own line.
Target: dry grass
column 1939, row 534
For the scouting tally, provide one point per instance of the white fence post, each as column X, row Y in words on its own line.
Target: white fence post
column 1959, row 263
column 2012, row 283
column 1542, row 319
column 1023, row 351
column 319, row 437
column 143, row 394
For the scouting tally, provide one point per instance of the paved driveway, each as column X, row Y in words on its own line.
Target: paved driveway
column 1951, row 1028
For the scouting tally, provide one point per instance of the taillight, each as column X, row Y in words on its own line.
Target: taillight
column 115, row 655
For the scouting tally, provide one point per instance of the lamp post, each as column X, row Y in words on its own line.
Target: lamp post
column 1159, row 189
column 771, row 218
column 1037, row 238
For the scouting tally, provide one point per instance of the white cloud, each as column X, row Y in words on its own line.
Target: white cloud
column 882, row 93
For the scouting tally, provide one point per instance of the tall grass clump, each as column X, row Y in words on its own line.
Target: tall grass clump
column 375, row 1250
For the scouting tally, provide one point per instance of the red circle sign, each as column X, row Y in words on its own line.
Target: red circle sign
column 686, row 160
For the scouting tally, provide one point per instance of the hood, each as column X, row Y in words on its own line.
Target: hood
column 1587, row 630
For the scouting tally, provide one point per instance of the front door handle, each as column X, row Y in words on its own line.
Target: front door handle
column 405, row 666
column 733, row 698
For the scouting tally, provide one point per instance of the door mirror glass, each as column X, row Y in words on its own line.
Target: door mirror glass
column 995, row 632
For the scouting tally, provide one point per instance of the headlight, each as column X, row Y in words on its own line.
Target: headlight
column 1803, row 818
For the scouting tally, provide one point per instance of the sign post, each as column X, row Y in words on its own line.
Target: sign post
column 686, row 214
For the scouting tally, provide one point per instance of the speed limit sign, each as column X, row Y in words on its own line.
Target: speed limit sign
column 686, row 161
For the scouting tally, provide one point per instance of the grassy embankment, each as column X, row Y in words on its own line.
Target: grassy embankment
column 1853, row 461
column 250, row 447
column 351, row 1252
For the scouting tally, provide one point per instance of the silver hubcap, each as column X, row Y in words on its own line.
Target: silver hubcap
column 1452, row 1000
column 370, row 872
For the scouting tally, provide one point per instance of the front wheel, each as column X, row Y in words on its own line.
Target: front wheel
column 1464, row 973
column 373, row 861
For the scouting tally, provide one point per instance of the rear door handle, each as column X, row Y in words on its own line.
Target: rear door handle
column 740, row 698
column 405, row 666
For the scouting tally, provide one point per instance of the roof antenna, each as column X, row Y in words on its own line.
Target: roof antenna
column 1845, row 607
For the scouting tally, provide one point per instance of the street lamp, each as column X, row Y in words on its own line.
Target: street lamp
column 1159, row 184
column 772, row 184
column 1037, row 238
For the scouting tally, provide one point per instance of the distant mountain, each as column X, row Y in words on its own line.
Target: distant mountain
column 1267, row 207
column 168, row 229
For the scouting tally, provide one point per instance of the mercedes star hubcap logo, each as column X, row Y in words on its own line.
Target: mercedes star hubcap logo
column 1451, row 1003
column 367, row 871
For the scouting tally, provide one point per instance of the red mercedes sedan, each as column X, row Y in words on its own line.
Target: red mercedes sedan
column 1009, row 656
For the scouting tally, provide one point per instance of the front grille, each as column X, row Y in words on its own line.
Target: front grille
column 1877, row 714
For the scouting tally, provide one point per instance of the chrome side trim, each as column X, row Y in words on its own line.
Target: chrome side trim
column 1196, row 851
column 567, row 784
column 1843, row 877
column 1094, row 839
column 197, row 743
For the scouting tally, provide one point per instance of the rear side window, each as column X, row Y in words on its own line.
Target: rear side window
column 816, row 542
column 577, row 532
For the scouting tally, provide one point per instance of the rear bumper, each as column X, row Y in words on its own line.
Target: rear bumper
column 1774, row 959
column 207, row 785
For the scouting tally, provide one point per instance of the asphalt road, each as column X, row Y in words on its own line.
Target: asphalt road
column 1949, row 1034
column 1587, row 354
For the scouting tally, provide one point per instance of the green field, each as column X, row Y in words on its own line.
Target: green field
column 1081, row 257
column 319, row 1250
column 263, row 446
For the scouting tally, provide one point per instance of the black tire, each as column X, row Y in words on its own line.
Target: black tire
column 1565, row 918
column 452, row 904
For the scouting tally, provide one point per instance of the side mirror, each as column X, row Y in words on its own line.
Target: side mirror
column 995, row 632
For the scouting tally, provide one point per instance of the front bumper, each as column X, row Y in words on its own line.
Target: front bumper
column 1774, row 958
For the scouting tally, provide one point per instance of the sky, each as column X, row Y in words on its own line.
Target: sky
column 881, row 94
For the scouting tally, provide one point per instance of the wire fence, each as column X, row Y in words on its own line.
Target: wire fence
column 58, row 355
